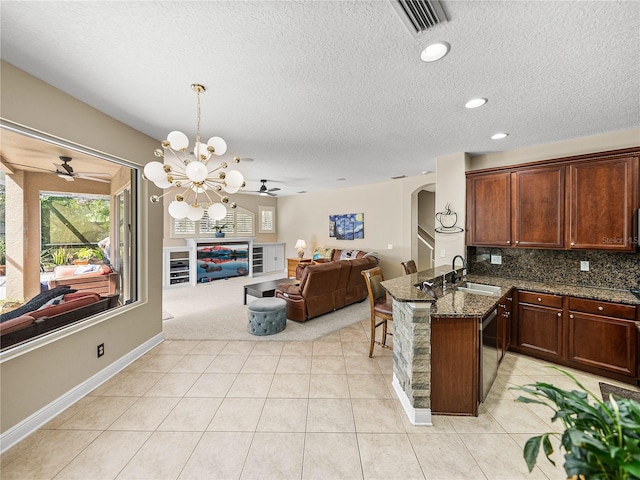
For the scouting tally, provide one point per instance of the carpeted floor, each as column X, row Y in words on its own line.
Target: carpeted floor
column 214, row 311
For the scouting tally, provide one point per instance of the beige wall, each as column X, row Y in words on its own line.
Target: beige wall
column 566, row 148
column 389, row 208
column 34, row 379
column 450, row 189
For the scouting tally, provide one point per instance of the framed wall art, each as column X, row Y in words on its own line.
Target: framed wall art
column 348, row 226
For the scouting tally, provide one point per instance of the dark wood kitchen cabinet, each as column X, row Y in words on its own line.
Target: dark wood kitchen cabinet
column 584, row 202
column 539, row 207
column 603, row 335
column 603, row 197
column 517, row 209
column 489, row 209
column 540, row 325
column 454, row 355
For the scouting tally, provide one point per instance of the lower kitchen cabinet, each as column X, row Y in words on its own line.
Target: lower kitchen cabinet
column 595, row 336
column 540, row 325
column 454, row 365
column 600, row 340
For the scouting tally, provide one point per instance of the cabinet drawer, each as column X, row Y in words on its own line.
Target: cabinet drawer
column 540, row 299
column 602, row 308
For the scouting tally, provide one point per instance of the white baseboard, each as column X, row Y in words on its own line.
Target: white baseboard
column 417, row 416
column 29, row 425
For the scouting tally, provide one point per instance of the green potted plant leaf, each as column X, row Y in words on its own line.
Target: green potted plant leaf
column 601, row 438
column 85, row 254
column 220, row 229
column 60, row 256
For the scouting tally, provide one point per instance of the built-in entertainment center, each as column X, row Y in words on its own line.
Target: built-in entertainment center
column 203, row 260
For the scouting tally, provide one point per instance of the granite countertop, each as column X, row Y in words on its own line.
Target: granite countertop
column 452, row 303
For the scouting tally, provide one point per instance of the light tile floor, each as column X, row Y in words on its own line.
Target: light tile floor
column 281, row 410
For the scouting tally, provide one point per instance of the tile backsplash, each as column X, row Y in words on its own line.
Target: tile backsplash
column 606, row 269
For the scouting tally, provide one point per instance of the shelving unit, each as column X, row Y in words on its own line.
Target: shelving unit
column 268, row 258
column 258, row 253
column 177, row 266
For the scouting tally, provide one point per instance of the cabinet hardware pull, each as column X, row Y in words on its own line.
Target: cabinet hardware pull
column 570, row 316
column 509, row 298
column 517, row 242
column 600, row 308
column 559, row 314
column 539, row 299
column 573, row 243
column 508, row 242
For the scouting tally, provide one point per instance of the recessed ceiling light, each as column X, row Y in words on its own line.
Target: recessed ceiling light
column 499, row 136
column 475, row 102
column 435, row 51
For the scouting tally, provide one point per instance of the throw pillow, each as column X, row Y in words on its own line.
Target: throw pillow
column 322, row 252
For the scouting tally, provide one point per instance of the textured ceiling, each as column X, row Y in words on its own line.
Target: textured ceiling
column 320, row 90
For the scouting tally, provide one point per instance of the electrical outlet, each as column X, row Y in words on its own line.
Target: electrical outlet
column 100, row 350
column 584, row 266
column 443, row 253
column 496, row 259
column 390, row 246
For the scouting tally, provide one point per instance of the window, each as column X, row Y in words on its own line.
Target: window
column 71, row 222
column 238, row 223
column 267, row 219
column 79, row 218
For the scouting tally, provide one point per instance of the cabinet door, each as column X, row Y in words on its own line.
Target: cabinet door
column 603, row 196
column 603, row 342
column 273, row 258
column 540, row 329
column 539, row 207
column 454, row 355
column 489, row 209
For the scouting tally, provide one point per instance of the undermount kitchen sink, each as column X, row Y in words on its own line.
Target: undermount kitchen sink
column 478, row 288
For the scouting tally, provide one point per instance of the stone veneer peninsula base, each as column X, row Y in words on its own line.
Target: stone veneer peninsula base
column 412, row 359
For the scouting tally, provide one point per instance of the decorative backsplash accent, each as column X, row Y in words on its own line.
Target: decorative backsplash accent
column 606, row 269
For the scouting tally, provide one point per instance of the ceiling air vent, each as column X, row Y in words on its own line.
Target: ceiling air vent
column 419, row 15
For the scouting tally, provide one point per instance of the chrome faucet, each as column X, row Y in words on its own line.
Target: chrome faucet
column 454, row 272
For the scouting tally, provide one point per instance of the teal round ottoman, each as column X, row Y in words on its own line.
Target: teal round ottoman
column 267, row 316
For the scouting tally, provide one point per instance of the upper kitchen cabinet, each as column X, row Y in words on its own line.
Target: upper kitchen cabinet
column 604, row 195
column 522, row 208
column 585, row 202
column 539, row 207
column 489, row 209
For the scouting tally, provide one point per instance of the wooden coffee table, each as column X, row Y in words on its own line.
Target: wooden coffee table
column 265, row 289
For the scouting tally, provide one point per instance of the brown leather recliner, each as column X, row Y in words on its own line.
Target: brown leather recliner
column 325, row 287
column 315, row 293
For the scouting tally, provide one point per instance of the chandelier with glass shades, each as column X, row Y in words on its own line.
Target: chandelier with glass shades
column 196, row 183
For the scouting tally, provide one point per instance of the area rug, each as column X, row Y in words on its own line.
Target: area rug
column 618, row 392
column 215, row 311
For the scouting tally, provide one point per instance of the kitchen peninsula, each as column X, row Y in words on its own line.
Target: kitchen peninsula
column 447, row 351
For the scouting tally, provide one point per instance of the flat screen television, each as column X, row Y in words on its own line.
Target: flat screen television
column 222, row 260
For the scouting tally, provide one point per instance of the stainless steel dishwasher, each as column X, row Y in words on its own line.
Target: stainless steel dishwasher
column 488, row 353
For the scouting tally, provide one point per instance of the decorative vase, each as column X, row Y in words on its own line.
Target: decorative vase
column 219, row 234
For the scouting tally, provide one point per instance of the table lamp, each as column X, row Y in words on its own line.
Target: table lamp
column 300, row 245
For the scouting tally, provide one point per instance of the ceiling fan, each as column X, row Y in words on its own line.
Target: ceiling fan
column 65, row 171
column 267, row 191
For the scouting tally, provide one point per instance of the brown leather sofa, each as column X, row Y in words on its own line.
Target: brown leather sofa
column 325, row 287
